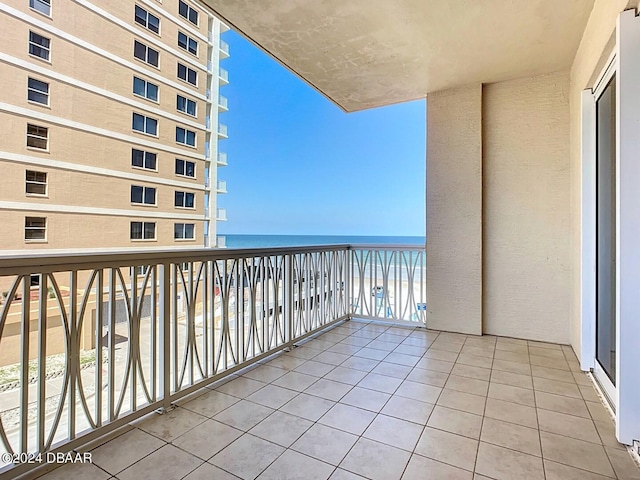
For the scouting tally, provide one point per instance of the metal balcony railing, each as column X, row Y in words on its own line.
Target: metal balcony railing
column 222, row 158
column 224, row 76
column 222, row 130
column 221, row 214
column 224, row 49
column 109, row 337
column 223, row 102
column 222, row 186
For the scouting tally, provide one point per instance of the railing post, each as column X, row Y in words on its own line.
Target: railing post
column 288, row 296
column 348, row 285
column 165, row 335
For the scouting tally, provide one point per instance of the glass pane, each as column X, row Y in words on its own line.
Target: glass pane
column 152, row 126
column 606, row 230
column 150, row 161
column 178, row 230
column 136, row 194
column 180, row 133
column 136, row 158
column 188, row 230
column 153, row 57
column 138, row 86
column 179, row 167
column 181, row 101
column 138, row 122
column 191, row 137
column 183, row 8
column 149, row 230
column 191, row 107
column 182, row 40
column 141, row 16
column 190, row 171
column 38, row 97
column 139, row 50
column 179, row 199
column 192, row 77
column 153, row 23
column 189, row 200
column 182, row 71
column 152, row 92
column 193, row 16
column 136, row 230
column 150, row 196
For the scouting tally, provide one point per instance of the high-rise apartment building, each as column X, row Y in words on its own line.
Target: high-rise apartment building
column 109, row 124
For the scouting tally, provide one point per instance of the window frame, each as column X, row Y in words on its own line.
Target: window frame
column 29, row 182
column 187, row 45
column 187, row 101
column 184, row 231
column 184, row 169
column 30, row 228
column 46, row 49
column 30, row 89
column 146, row 20
column 146, row 90
column 186, row 132
column 184, row 199
column 38, row 137
column 187, row 71
column 144, row 190
column 32, row 6
column 146, row 53
column 144, row 160
column 146, row 119
column 143, row 230
column 189, row 10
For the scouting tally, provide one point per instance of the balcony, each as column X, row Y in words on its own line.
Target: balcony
column 221, row 215
column 223, row 75
column 223, row 104
column 222, row 131
column 222, row 159
column 224, row 50
column 221, row 186
column 221, row 241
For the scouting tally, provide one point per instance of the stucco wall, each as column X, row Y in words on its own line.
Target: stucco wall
column 526, row 215
column 596, row 45
column 454, row 210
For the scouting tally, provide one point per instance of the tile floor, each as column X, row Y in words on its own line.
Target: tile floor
column 376, row 402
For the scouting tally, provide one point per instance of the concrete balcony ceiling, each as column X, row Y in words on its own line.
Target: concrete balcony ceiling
column 368, row 53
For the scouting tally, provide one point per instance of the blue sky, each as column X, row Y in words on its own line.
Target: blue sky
column 300, row 165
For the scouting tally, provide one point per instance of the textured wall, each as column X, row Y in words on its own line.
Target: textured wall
column 454, row 210
column 526, row 213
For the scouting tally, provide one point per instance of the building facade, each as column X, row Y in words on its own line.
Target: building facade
column 110, row 124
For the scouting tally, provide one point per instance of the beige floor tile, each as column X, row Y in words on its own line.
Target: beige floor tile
column 124, row 450
column 457, row 338
column 344, row 349
column 265, row 373
column 598, row 412
column 360, row 363
column 371, row 353
column 509, row 435
column 418, row 342
column 303, row 351
column 206, row 471
column 76, row 471
column 402, row 359
column 391, row 338
column 281, row 428
column 442, row 355
column 447, row 346
column 456, row 421
column 410, row 350
column 308, row 407
column 556, row 387
column 511, row 412
column 295, row 466
column 172, row 424
column 380, row 383
column 168, row 463
column 325, row 443
column 211, row 403
column 557, row 471
column 207, row 439
column 419, row 391
column 295, row 381
column 272, row 396
column 247, row 457
column 434, row 364
column 513, row 367
column 607, row 433
column 469, row 371
column 392, row 370
column 243, row 415
column 468, row 385
column 346, row 375
column 356, row 341
column 474, row 360
column 375, row 460
column 367, row 399
column 559, row 363
column 316, row 369
column 421, row 468
column 448, row 448
column 513, row 379
column 554, row 346
column 333, row 336
column 504, row 464
column 347, row 418
column 331, row 358
column 478, row 351
column 622, row 463
column 429, row 377
column 546, row 352
column 581, row 378
column 509, row 393
column 408, row 409
column 379, row 344
column 512, row 356
column 512, row 347
column 466, row 402
column 395, row 432
column 328, row 389
column 589, row 393
column 562, row 404
column 576, row 453
column 242, row 387
column 319, row 344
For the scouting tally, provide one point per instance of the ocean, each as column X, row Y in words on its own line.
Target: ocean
column 257, row 241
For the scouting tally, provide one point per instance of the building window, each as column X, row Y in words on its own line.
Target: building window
column 37, row 91
column 187, row 12
column 184, row 231
column 145, row 124
column 35, row 228
column 42, row 6
column 188, row 43
column 186, row 105
column 39, row 46
column 146, row 54
column 147, row 20
column 143, row 195
column 187, row 74
column 145, row 89
column 37, row 137
column 185, row 200
column 185, row 168
column 36, row 183
column 185, row 137
column 142, row 159
column 34, row 280
column 143, row 231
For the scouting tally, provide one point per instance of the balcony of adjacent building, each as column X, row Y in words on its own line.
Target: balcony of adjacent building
column 221, row 160
column 224, row 50
column 223, row 76
column 221, row 215
column 221, row 186
column 222, row 131
column 223, row 104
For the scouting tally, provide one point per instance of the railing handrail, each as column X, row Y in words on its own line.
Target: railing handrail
column 48, row 262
